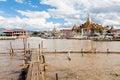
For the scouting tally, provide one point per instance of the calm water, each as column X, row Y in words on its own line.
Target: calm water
column 87, row 67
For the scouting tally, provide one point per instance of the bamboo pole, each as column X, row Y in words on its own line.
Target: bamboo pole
column 69, row 57
column 43, row 75
column 25, row 44
column 108, row 51
column 28, row 45
column 82, row 52
column 44, row 69
column 41, row 44
column 11, row 50
column 41, row 47
column 29, row 48
column 56, row 76
column 43, row 62
column 95, row 50
column 39, row 50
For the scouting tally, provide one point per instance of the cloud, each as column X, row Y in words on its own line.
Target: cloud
column 3, row 0
column 19, row 1
column 105, row 12
column 75, row 11
column 34, row 14
column 33, row 20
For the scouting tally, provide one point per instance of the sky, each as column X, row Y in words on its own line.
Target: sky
column 62, row 14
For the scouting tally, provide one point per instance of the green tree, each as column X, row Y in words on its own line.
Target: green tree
column 97, row 29
column 35, row 33
column 101, row 31
column 93, row 30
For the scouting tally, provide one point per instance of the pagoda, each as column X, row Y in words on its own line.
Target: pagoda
column 90, row 27
column 54, row 31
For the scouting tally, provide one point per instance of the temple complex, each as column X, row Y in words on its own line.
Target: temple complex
column 88, row 27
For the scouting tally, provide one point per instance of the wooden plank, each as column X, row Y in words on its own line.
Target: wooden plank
column 35, row 71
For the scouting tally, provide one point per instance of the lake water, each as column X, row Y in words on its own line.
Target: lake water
column 88, row 67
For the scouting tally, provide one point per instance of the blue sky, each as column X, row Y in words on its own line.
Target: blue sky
column 46, row 14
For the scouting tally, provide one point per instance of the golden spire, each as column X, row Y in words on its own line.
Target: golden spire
column 54, row 31
column 88, row 22
column 89, row 19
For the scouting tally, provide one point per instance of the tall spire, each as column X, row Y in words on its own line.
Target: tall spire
column 89, row 19
column 54, row 31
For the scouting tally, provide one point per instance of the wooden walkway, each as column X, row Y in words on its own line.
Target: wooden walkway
column 36, row 69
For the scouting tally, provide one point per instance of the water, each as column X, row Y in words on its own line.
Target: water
column 61, row 45
column 87, row 67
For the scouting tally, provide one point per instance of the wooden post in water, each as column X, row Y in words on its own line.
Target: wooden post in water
column 82, row 52
column 23, row 62
column 69, row 57
column 56, row 76
column 28, row 48
column 44, row 70
column 42, row 47
column 95, row 50
column 11, row 50
column 107, row 50
column 28, row 45
column 43, row 62
column 39, row 50
column 25, row 44
column 43, row 75
column 55, row 50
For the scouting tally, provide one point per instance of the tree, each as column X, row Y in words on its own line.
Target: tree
column 93, row 30
column 97, row 29
column 35, row 33
column 101, row 31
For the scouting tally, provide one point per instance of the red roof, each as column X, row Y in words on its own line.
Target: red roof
column 115, row 30
column 8, row 31
column 20, row 30
column 90, row 25
column 66, row 30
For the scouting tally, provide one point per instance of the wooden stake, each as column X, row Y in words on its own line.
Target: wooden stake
column 28, row 45
column 82, row 51
column 11, row 50
column 107, row 50
column 28, row 48
column 25, row 44
column 56, row 76
column 39, row 49
column 43, row 75
column 23, row 62
column 95, row 50
column 42, row 46
column 43, row 61
column 69, row 57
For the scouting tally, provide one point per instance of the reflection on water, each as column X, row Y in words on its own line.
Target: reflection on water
column 88, row 67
